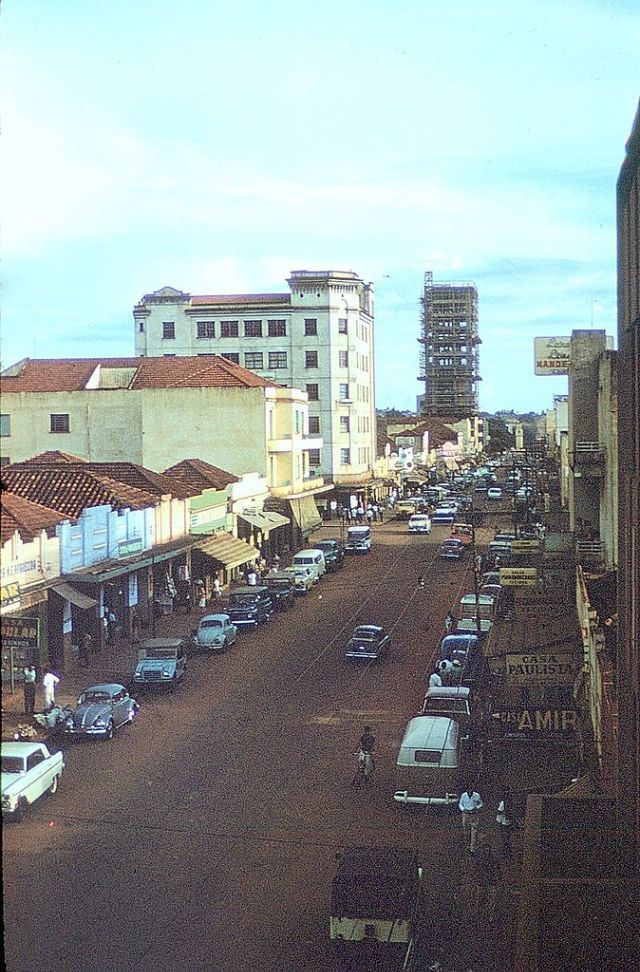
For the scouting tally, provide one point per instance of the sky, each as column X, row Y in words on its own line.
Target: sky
column 216, row 146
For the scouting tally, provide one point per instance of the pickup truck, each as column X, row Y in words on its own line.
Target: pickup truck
column 28, row 771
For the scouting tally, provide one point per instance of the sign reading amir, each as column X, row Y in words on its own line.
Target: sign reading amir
column 543, row 669
column 538, row 720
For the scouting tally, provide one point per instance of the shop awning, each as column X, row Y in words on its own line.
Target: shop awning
column 264, row 519
column 227, row 550
column 76, row 597
column 305, row 513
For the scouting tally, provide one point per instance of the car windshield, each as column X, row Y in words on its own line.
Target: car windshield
column 90, row 698
column 12, row 764
column 160, row 653
column 244, row 598
column 366, row 634
column 211, row 623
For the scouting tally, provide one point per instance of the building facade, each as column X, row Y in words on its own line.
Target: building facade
column 449, row 349
column 317, row 337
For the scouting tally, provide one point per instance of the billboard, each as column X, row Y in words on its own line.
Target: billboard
column 519, row 576
column 537, row 668
column 551, row 355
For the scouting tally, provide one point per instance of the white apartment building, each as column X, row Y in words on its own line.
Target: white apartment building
column 317, row 337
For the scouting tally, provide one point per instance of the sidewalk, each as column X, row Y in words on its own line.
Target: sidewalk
column 114, row 663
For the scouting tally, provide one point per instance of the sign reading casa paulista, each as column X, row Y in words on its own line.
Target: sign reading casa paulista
column 543, row 668
column 518, row 576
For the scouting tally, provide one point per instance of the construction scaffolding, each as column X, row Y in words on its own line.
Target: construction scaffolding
column 449, row 349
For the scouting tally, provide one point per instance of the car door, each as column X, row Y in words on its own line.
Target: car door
column 120, row 707
column 36, row 776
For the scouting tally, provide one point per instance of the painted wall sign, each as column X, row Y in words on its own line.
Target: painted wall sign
column 524, row 546
column 538, row 720
column 536, row 668
column 551, row 355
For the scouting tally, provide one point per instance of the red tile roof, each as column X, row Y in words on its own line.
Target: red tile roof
column 26, row 517
column 215, row 299
column 189, row 371
column 199, row 475
column 71, row 489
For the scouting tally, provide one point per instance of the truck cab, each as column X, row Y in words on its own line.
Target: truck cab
column 375, row 899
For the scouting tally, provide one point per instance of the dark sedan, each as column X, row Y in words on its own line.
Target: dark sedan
column 368, row 642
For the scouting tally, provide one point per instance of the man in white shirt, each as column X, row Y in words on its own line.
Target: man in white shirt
column 435, row 681
column 470, row 806
column 49, row 683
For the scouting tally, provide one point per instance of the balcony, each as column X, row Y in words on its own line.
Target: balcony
column 587, row 459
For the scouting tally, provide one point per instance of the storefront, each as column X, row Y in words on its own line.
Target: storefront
column 265, row 530
column 220, row 555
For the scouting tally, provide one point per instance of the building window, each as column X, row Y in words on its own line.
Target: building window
column 314, row 425
column 5, row 461
column 232, row 356
column 310, row 326
column 228, row 329
column 344, row 423
column 206, row 329
column 314, row 457
column 59, row 423
column 253, row 359
column 313, row 393
column 141, row 327
column 343, row 390
column 343, row 359
column 277, row 359
column 5, row 425
column 253, row 328
column 299, row 422
column 277, row 328
column 343, row 326
column 168, row 331
column 345, row 457
column 311, row 359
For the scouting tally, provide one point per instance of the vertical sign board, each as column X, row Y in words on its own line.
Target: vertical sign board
column 20, row 639
column 551, row 355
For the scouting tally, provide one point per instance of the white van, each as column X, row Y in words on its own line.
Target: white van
column 310, row 557
column 428, row 770
column 419, row 523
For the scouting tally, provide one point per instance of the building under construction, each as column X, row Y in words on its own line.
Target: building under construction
column 449, row 352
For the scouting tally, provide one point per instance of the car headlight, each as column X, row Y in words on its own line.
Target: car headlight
column 100, row 721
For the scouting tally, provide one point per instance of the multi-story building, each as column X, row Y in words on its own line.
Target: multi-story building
column 449, row 349
column 628, row 641
column 317, row 337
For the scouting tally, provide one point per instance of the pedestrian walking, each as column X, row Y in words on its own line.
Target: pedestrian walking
column 504, row 821
column 29, row 688
column 381, row 514
column 217, row 588
column 487, row 882
column 111, row 626
column 252, row 578
column 448, row 623
column 435, row 680
column 49, row 683
column 445, row 669
column 470, row 805
column 201, row 595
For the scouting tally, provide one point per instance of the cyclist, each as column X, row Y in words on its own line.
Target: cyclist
column 367, row 741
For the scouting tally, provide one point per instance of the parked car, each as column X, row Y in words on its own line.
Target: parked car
column 281, row 588
column 333, row 553
column 444, row 514
column 453, row 549
column 310, row 557
column 101, row 709
column 451, row 701
column 251, row 605
column 303, row 578
column 215, row 632
column 28, row 771
column 367, row 643
column 161, row 662
column 494, row 493
column 463, row 532
column 358, row 539
column 461, row 648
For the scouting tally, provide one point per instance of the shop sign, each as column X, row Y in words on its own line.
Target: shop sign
column 538, row 720
column 551, row 355
column 20, row 632
column 542, row 668
column 126, row 548
column 524, row 546
column 10, row 595
column 518, row 576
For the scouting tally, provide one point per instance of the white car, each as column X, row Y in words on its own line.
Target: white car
column 419, row 523
column 304, row 578
column 28, row 771
column 494, row 493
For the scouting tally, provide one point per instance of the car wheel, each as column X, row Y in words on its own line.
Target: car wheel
column 54, row 784
column 21, row 806
column 110, row 729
